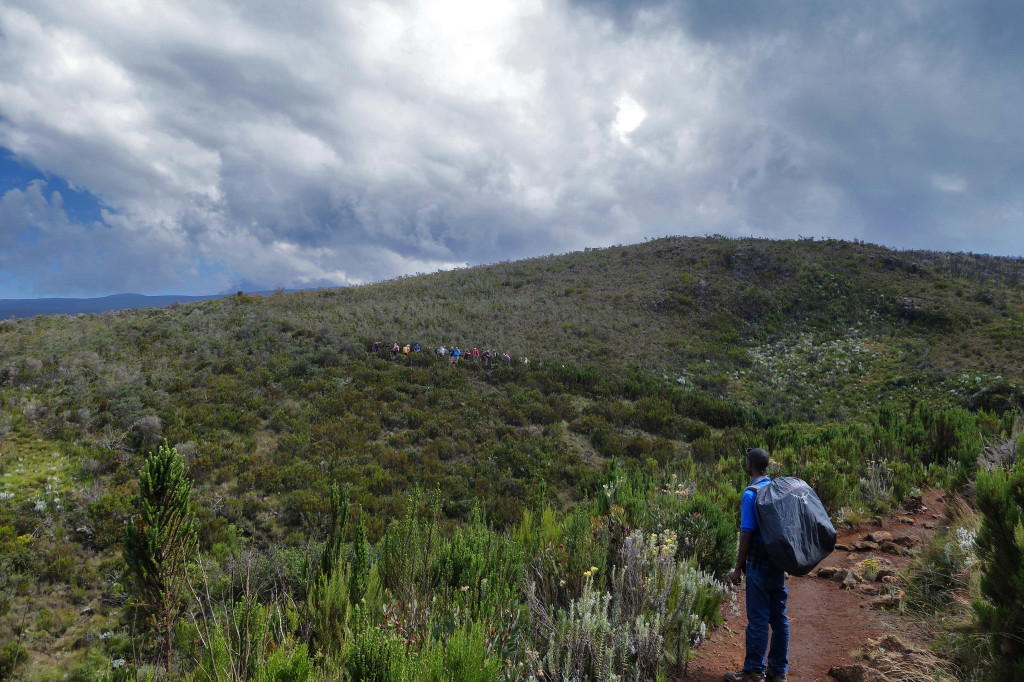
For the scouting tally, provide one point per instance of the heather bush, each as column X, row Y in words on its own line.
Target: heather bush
column 467, row 653
column 622, row 633
column 477, row 561
column 706, row 533
column 375, row 656
column 832, row 486
column 328, row 611
column 289, row 663
column 237, row 639
column 404, row 552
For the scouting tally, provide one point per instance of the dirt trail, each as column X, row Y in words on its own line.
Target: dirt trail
column 827, row 623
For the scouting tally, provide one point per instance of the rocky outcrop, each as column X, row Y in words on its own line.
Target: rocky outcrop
column 888, row 658
column 857, row 672
column 872, row 577
column 881, row 541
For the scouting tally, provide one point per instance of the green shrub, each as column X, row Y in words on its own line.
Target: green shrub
column 404, row 553
column 989, row 423
column 238, row 638
column 693, row 429
column 1000, row 543
column 657, row 416
column 583, row 549
column 479, row 562
column 940, row 575
column 161, row 543
column 107, row 516
column 1007, row 423
column 375, row 657
column 11, row 656
column 327, row 612
column 706, row 532
column 468, row 657
column 830, row 484
column 286, row 664
column 359, row 566
column 905, row 476
column 950, row 437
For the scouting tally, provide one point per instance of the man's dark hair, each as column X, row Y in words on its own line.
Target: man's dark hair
column 758, row 459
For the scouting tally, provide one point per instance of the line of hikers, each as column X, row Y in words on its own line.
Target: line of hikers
column 454, row 354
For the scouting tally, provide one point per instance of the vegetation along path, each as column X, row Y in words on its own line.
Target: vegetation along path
column 833, row 618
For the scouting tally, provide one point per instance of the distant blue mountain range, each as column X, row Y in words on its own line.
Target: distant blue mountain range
column 30, row 307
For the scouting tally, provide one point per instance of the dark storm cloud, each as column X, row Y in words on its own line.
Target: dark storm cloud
column 325, row 144
column 900, row 116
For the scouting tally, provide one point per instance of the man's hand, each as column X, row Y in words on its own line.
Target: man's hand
column 736, row 577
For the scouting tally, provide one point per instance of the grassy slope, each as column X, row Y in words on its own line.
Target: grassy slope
column 673, row 305
column 272, row 398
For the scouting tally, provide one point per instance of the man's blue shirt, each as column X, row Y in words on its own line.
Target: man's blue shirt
column 748, row 509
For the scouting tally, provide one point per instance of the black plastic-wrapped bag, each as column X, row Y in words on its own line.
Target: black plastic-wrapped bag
column 795, row 527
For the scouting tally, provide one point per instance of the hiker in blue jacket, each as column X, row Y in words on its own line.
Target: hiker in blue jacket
column 766, row 588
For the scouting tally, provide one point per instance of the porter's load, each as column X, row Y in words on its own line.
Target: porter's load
column 796, row 531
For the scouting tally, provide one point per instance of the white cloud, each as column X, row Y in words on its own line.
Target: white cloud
column 949, row 183
column 326, row 142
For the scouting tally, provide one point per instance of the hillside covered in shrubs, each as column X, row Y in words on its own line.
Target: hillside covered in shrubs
column 370, row 515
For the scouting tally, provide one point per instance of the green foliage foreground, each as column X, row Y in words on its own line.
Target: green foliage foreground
column 577, row 597
column 1000, row 543
column 618, row 587
column 868, row 372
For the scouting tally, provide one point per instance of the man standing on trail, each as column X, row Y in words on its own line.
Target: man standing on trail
column 766, row 588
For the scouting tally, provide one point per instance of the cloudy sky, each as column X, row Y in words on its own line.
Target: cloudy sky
column 201, row 146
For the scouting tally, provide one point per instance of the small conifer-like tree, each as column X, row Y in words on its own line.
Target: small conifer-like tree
column 1000, row 543
column 360, row 567
column 161, row 542
column 331, row 554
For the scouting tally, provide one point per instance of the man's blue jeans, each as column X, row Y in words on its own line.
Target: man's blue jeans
column 766, row 606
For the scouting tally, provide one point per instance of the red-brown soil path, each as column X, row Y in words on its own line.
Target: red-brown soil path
column 828, row 624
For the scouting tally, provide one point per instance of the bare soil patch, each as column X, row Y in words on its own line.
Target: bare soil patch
column 831, row 618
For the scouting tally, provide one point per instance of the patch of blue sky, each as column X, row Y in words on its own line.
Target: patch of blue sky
column 15, row 286
column 204, row 277
column 81, row 207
